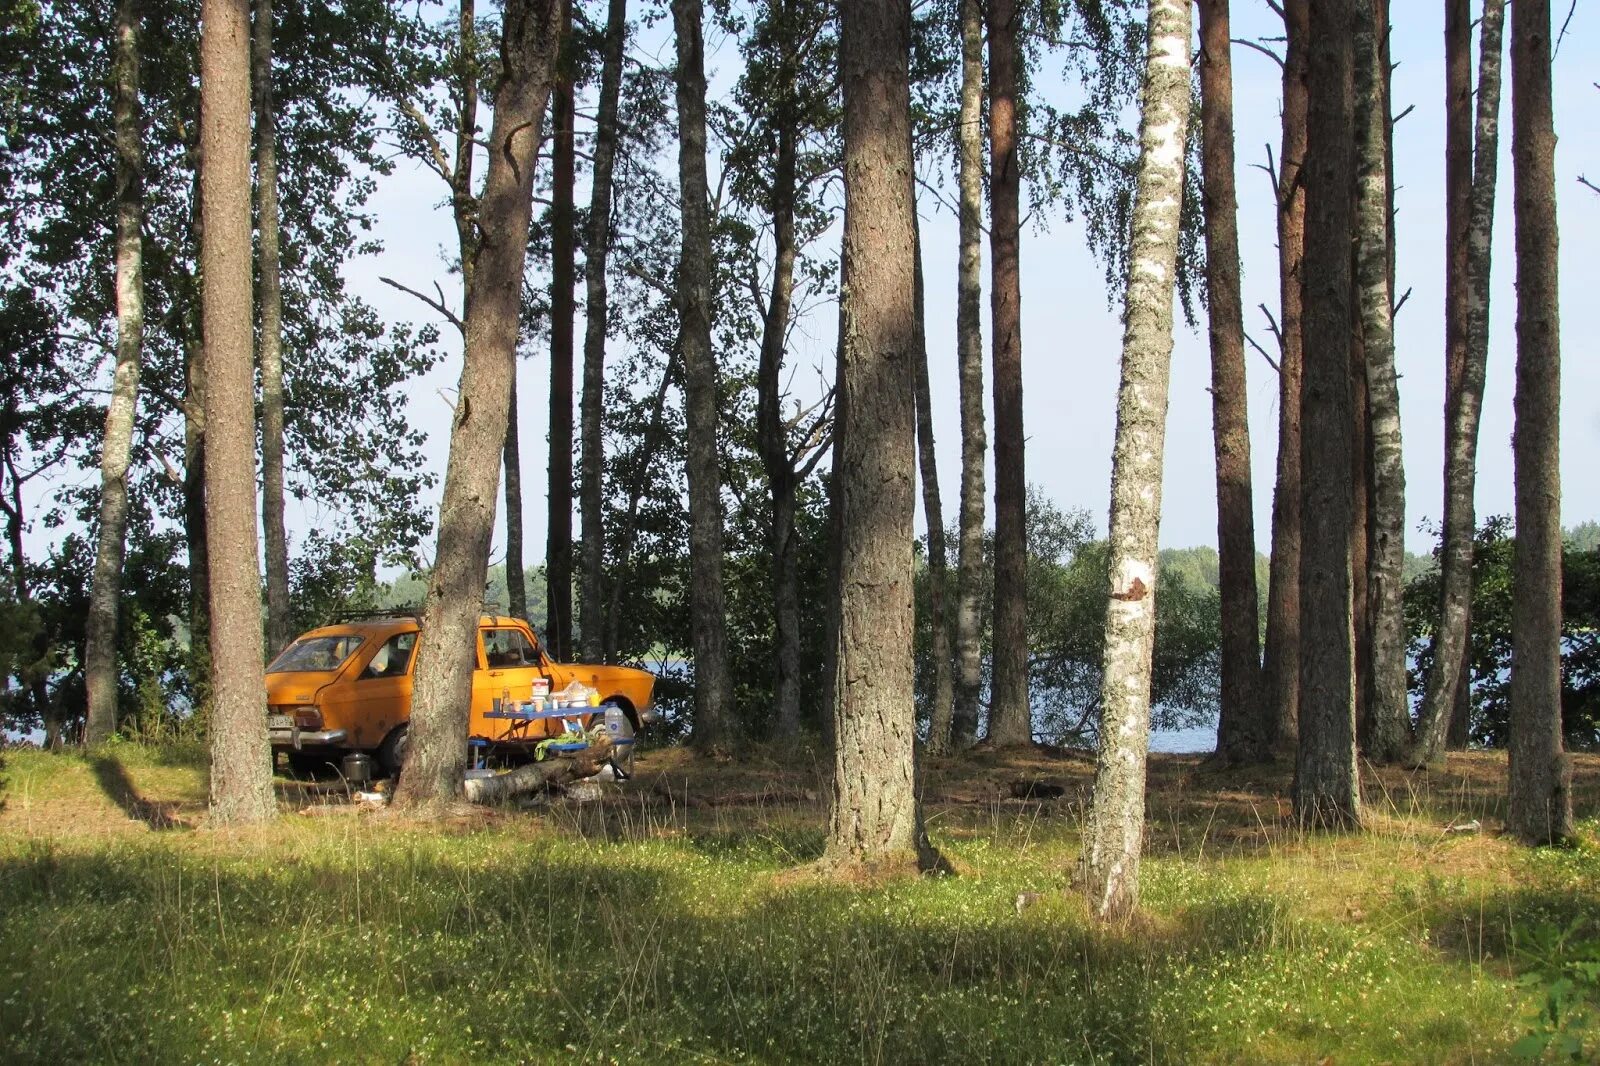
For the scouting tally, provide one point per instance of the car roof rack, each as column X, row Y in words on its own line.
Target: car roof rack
column 401, row 611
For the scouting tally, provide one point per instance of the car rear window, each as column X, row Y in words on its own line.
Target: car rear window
column 316, row 654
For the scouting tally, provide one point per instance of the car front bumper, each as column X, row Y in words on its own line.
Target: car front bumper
column 299, row 738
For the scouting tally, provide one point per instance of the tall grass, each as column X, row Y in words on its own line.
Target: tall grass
column 648, row 932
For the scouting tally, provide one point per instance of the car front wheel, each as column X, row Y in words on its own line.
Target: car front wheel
column 392, row 752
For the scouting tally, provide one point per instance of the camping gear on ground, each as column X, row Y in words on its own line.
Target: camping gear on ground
column 356, row 767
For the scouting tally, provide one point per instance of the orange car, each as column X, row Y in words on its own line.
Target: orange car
column 347, row 687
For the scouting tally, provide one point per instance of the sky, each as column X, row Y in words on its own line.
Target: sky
column 1072, row 337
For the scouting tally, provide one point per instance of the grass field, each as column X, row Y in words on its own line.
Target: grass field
column 676, row 921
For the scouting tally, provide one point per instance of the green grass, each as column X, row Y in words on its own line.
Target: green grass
column 647, row 933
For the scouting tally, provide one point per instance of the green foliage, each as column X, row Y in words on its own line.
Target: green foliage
column 1493, row 556
column 1068, row 582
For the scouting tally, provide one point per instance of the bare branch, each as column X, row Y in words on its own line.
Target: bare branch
column 1263, row 49
column 1587, row 183
column 439, row 161
column 1401, row 303
column 438, row 305
column 1396, row 120
column 1273, row 363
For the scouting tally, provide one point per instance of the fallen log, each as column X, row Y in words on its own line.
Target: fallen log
column 536, row 776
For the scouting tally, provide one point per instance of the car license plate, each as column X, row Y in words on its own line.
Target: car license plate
column 279, row 721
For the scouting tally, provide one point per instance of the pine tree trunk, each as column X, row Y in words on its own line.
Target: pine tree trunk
column 1010, row 715
column 558, row 552
column 1389, row 706
column 280, row 626
column 1281, row 661
column 969, row 348
column 773, row 440
column 1539, row 803
column 875, row 817
column 591, row 460
column 511, row 459
column 1326, row 792
column 1242, row 729
column 1361, row 503
column 105, row 595
column 933, row 511
column 1114, row 834
column 194, row 469
column 241, row 765
column 712, row 688
column 1449, row 674
column 442, row 693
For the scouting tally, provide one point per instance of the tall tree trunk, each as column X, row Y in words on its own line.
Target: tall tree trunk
column 511, row 458
column 442, row 694
column 591, row 460
column 558, row 553
column 712, row 686
column 241, row 765
column 1360, row 501
column 1450, row 671
column 969, row 348
column 875, row 817
column 280, row 626
column 1243, row 731
column 463, row 204
column 105, row 596
column 1326, row 791
column 1539, row 803
column 772, row 437
column 1458, row 208
column 1389, row 706
column 1114, row 834
column 1281, row 667
column 933, row 511
column 194, row 468
column 1010, row 715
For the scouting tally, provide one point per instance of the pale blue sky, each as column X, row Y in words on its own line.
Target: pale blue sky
column 1071, row 341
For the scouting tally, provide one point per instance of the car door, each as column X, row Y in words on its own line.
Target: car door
column 507, row 666
column 378, row 697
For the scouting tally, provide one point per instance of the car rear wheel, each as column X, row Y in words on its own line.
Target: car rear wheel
column 392, row 752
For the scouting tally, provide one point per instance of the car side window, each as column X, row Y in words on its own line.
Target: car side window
column 393, row 658
column 508, row 648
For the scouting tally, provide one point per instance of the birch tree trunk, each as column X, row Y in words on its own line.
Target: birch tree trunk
column 241, row 764
column 280, row 626
column 1282, row 652
column 1539, row 803
column 1326, row 792
column 105, row 597
column 1114, row 834
column 771, row 435
column 712, row 687
column 969, row 349
column 1010, row 716
column 563, row 247
column 1242, row 729
column 1464, row 407
column 1389, row 706
column 933, row 511
column 875, row 817
column 442, row 692
column 591, row 460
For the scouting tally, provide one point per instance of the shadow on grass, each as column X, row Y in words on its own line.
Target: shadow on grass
column 481, row 949
column 115, row 782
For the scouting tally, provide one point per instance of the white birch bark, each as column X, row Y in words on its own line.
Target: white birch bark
column 1389, row 707
column 1461, row 456
column 100, row 652
column 1114, row 835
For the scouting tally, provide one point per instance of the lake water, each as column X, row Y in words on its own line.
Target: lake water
column 1201, row 739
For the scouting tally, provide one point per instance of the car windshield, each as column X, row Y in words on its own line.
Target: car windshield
column 316, row 654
